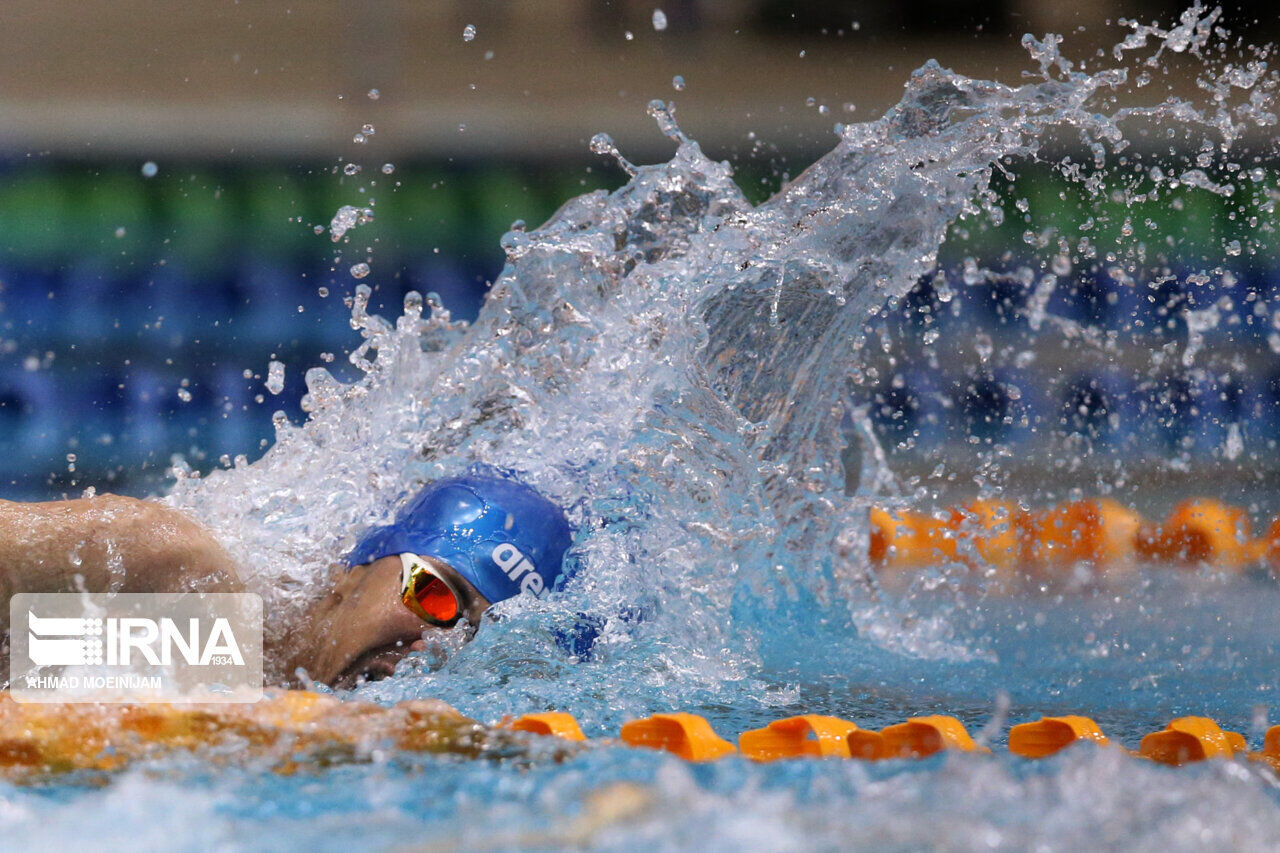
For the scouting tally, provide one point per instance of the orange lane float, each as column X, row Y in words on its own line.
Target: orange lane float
column 1270, row 753
column 903, row 539
column 1199, row 532
column 1267, row 549
column 811, row 735
column 920, row 737
column 988, row 532
column 1189, row 739
column 686, row 735
column 1098, row 533
column 298, row 731
column 555, row 723
column 1042, row 544
column 1050, row 735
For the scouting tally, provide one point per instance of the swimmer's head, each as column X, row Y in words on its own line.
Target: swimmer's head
column 468, row 542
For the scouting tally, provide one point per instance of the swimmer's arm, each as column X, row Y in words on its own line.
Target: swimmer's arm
column 112, row 543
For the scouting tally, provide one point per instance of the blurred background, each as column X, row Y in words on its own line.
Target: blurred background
column 169, row 173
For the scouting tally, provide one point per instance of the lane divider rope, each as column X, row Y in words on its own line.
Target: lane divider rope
column 1184, row 740
column 296, row 730
column 1101, row 532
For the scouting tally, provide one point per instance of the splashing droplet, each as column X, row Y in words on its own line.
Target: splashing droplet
column 359, row 270
column 413, row 305
column 1235, row 443
column 388, row 168
column 359, row 139
column 469, row 32
column 275, row 377
column 149, row 169
column 184, row 395
column 664, row 114
column 602, row 143
column 677, row 83
column 983, row 346
column 374, row 94
column 629, row 36
column 346, row 218
column 659, row 20
column 351, row 168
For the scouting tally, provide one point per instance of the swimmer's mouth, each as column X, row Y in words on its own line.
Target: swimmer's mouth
column 376, row 664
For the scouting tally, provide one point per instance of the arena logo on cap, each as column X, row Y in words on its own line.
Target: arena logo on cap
column 136, row 647
column 515, row 564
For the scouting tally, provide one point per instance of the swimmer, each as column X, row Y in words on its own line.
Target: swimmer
column 459, row 546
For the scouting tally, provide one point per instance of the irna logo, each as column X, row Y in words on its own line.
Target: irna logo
column 135, row 647
column 55, row 641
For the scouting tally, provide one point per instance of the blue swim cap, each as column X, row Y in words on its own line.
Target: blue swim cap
column 500, row 535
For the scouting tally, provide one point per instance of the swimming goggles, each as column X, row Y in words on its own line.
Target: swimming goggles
column 437, row 594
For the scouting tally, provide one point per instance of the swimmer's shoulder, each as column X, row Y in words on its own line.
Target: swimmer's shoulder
column 159, row 548
column 83, row 518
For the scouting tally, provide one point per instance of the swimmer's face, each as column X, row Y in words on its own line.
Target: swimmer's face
column 363, row 628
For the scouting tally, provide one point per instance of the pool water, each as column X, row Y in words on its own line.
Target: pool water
column 1177, row 646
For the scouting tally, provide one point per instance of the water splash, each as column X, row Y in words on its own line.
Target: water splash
column 275, row 377
column 349, row 217
column 669, row 362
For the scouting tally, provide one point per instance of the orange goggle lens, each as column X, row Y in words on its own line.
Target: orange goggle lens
column 438, row 600
column 427, row 594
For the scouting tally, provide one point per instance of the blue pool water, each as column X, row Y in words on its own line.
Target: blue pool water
column 1134, row 664
column 670, row 363
column 1154, row 657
